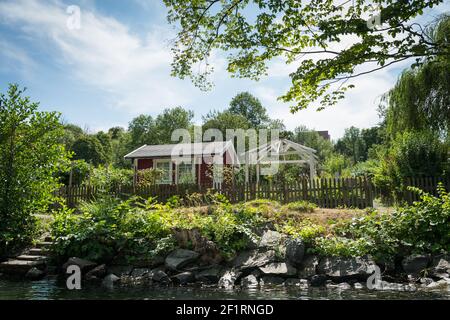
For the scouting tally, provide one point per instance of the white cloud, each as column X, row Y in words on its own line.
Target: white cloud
column 134, row 72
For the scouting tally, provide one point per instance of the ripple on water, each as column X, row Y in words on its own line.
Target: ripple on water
column 52, row 288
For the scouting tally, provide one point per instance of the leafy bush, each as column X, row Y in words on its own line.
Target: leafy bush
column 109, row 228
column 30, row 157
column 423, row 227
column 304, row 229
column 148, row 177
column 411, row 154
column 107, row 177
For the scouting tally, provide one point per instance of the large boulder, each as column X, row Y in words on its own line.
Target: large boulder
column 318, row 280
column 160, row 276
column 249, row 281
column 414, row 264
column 344, row 268
column 308, row 267
column 271, row 239
column 210, row 275
column 180, row 258
column 295, row 251
column 229, row 278
column 279, row 268
column 441, row 264
column 184, row 278
column 253, row 259
column 208, row 250
column 96, row 273
column 84, row 265
column 110, row 280
column 35, row 274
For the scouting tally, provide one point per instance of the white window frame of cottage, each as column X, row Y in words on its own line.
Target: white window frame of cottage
column 177, row 173
column 155, row 165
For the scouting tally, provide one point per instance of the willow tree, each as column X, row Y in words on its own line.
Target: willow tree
column 420, row 99
column 328, row 42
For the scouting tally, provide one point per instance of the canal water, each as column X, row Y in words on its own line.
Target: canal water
column 52, row 288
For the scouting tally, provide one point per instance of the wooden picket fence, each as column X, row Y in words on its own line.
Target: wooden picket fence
column 326, row 193
column 427, row 184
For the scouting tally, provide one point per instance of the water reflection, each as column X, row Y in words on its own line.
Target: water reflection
column 52, row 288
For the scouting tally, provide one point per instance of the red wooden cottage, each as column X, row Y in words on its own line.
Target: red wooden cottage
column 186, row 162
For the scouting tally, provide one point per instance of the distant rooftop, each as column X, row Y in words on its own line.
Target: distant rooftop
column 324, row 134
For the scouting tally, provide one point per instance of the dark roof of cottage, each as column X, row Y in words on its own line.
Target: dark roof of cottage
column 167, row 150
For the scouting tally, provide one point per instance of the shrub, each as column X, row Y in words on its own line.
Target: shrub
column 421, row 228
column 30, row 157
column 304, row 229
column 109, row 228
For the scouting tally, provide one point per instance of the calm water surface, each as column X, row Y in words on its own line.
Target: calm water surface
column 52, row 288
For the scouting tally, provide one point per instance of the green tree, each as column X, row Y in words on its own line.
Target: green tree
column 352, row 144
column 249, row 107
column 31, row 153
column 170, row 120
column 255, row 32
column 225, row 120
column 71, row 133
column 411, row 154
column 313, row 139
column 144, row 129
column 420, row 99
column 105, row 141
column 89, row 149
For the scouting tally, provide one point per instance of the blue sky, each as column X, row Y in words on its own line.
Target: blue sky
column 118, row 66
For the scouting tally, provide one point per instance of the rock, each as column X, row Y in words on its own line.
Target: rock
column 96, row 273
column 426, row 281
column 414, row 264
column 208, row 250
column 344, row 286
column 140, row 272
column 318, row 280
column 345, row 268
column 120, row 271
column 85, row 265
column 308, row 267
column 271, row 281
column 160, row 276
column 180, row 258
column 358, row 286
column 184, row 278
column 110, row 280
column 295, row 251
column 279, row 268
column 34, row 274
column 253, row 258
column 271, row 239
column 229, row 278
column 441, row 264
column 249, row 281
column 210, row 275
column 441, row 284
